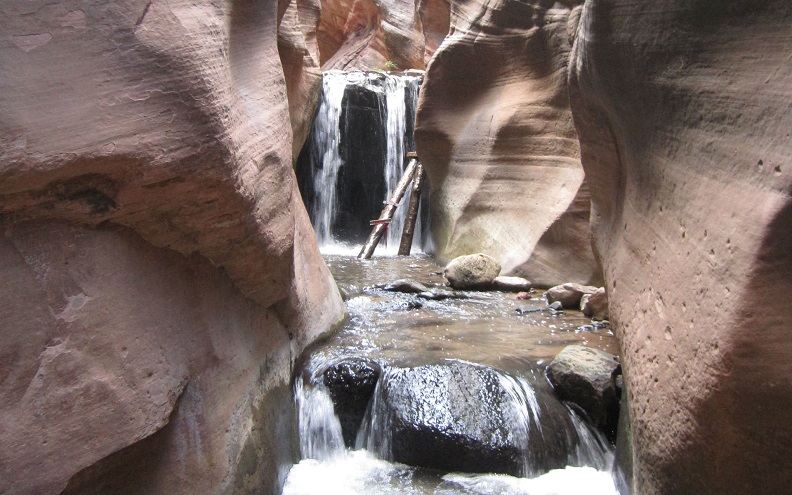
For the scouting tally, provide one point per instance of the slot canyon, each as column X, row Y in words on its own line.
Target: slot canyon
column 184, row 187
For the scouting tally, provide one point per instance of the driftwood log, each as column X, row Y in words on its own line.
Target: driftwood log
column 381, row 225
column 412, row 213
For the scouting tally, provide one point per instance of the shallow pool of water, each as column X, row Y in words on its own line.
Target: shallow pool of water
column 482, row 328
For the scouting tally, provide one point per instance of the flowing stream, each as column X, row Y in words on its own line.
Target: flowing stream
column 481, row 333
column 416, row 395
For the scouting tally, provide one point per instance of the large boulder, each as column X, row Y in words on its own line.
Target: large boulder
column 684, row 119
column 158, row 274
column 463, row 417
column 474, row 271
column 587, row 377
column 495, row 134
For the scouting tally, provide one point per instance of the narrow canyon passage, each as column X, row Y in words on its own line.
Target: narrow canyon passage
column 181, row 311
column 472, row 362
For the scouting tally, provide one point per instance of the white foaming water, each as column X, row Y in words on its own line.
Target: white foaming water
column 327, row 137
column 360, row 473
column 395, row 93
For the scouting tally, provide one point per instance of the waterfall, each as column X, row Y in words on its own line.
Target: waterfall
column 326, row 136
column 355, row 156
column 318, row 425
column 560, row 453
column 547, row 434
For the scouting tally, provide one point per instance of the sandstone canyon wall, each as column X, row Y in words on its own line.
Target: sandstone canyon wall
column 684, row 110
column 159, row 273
column 495, row 133
column 317, row 35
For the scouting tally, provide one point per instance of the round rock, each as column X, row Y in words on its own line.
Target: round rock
column 475, row 271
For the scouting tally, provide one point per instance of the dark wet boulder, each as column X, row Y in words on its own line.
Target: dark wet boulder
column 464, row 417
column 511, row 284
column 404, row 285
column 587, row 378
column 351, row 384
column 568, row 294
column 475, row 271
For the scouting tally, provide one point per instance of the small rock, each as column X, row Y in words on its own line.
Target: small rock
column 511, row 284
column 523, row 296
column 587, row 377
column 475, row 271
column 524, row 310
column 595, row 305
column 404, row 285
column 440, row 294
column 556, row 306
column 413, row 304
column 569, row 294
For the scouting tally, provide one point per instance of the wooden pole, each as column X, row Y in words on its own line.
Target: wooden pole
column 381, row 225
column 412, row 213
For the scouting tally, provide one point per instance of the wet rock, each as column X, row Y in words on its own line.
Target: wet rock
column 524, row 310
column 475, row 271
column 569, row 294
column 587, row 377
column 511, row 284
column 351, row 384
column 595, row 305
column 414, row 304
column 441, row 294
column 404, row 285
column 523, row 296
column 556, row 306
column 463, row 417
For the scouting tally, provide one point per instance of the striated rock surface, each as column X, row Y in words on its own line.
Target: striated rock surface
column 388, row 34
column 684, row 117
column 496, row 137
column 299, row 55
column 158, row 272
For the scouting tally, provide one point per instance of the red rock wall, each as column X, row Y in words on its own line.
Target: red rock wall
column 495, row 134
column 684, row 112
column 159, row 273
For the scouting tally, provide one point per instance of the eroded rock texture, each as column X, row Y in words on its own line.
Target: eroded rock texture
column 351, row 35
column 377, row 34
column 158, row 273
column 684, row 111
column 496, row 136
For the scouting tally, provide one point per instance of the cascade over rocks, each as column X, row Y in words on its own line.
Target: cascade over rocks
column 495, row 134
column 587, row 377
column 684, row 120
column 474, row 271
column 159, row 273
column 464, row 417
column 351, row 384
